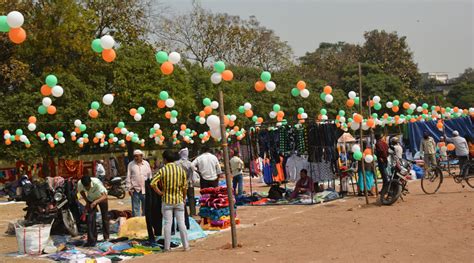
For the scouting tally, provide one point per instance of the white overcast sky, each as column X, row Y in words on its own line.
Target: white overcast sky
column 440, row 33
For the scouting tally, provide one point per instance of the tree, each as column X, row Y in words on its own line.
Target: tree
column 462, row 95
column 467, row 76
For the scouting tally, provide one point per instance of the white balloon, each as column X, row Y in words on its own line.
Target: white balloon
column 272, row 114
column 202, row 120
column 355, row 126
column 365, row 126
column 247, row 106
column 51, row 139
column 101, row 144
column 107, row 42
column 471, row 110
column 324, row 117
column 369, row 158
column 23, row 138
column 77, row 123
column 174, row 57
column 124, row 131
column 389, row 104
column 352, row 95
column 413, row 106
column 57, row 91
column 233, row 117
column 15, row 19
column 62, row 140
column 444, row 148
column 214, row 105
column 156, row 126
column 216, row 133
column 304, row 115
column 342, row 119
column 6, row 136
column 31, row 127
column 108, row 99
column 137, row 117
column 419, row 109
column 169, row 103
column 376, row 99
column 173, row 120
column 216, row 78
column 305, row 93
column 213, row 121
column 270, row 86
column 115, row 139
column 355, row 148
column 329, row 98
column 47, row 102
column 182, row 133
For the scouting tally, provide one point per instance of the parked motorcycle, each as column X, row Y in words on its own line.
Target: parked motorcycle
column 397, row 184
column 46, row 205
column 115, row 187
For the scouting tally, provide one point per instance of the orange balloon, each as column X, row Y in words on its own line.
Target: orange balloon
column 8, row 142
column 236, row 128
column 183, row 127
column 451, row 147
column 208, row 110
column 158, row 132
column 425, row 111
column 350, row 103
column 280, row 114
column 437, row 108
column 358, row 118
column 231, row 123
column 95, row 140
column 441, row 144
column 133, row 111
column 161, row 104
column 260, row 119
column 301, row 85
column 51, row 109
column 385, row 116
column 77, row 130
column 167, row 68
column 108, row 55
column 299, row 116
column 202, row 114
column 168, row 115
column 455, row 109
column 73, row 138
column 17, row 35
column 17, row 137
column 406, row 105
column 395, row 108
column 367, row 151
column 259, row 86
column 327, row 89
column 46, row 90
column 279, row 119
column 117, row 130
column 227, row 75
column 371, row 123
column 32, row 119
column 85, row 140
column 93, row 113
column 439, row 125
column 249, row 113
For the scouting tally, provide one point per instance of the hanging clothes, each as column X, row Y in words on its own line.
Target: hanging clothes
column 322, row 171
column 294, row 165
column 267, row 172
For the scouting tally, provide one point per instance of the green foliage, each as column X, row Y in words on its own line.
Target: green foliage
column 462, row 95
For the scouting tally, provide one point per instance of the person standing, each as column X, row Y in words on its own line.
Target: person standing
column 397, row 148
column 443, row 151
column 428, row 151
column 208, row 167
column 462, row 149
column 95, row 194
column 100, row 170
column 171, row 183
column 187, row 166
column 381, row 150
column 138, row 172
column 236, row 167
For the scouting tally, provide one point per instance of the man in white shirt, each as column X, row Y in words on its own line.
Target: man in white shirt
column 208, row 167
column 138, row 172
column 100, row 170
column 462, row 148
column 236, row 167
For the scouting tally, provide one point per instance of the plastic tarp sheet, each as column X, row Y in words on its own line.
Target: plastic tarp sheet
column 464, row 126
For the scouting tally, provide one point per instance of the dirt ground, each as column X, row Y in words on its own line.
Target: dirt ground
column 423, row 228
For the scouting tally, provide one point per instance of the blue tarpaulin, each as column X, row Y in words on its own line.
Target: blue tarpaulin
column 464, row 126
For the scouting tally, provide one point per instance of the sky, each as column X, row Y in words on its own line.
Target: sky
column 440, row 33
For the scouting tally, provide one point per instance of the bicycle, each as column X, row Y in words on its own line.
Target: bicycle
column 433, row 178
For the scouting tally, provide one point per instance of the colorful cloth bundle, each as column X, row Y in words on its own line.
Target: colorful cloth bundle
column 213, row 213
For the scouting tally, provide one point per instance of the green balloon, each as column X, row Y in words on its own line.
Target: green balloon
column 300, row 110
column 357, row 100
column 95, row 105
column 141, row 110
column 377, row 106
column 425, row 106
column 55, row 141
column 60, row 134
column 197, row 118
column 161, row 57
column 111, row 135
column 238, row 133
column 323, row 111
column 206, row 102
column 188, row 131
column 4, row 27
column 276, row 107
column 241, row 109
column 12, row 137
column 219, row 66
column 349, row 119
column 19, row 132
column 164, row 95
column 174, row 113
column 201, row 136
column 42, row 110
column 375, row 115
column 48, row 136
column 51, row 80
column 134, row 139
column 106, row 143
column 254, row 118
column 265, row 76
column 410, row 111
column 152, row 131
column 342, row 113
column 322, row 96
column 82, row 127
column 85, row 135
column 96, row 46
column 295, row 92
column 395, row 103
column 121, row 124
column 433, row 107
column 357, row 155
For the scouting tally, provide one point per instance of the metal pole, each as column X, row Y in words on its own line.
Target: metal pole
column 228, row 175
column 361, row 137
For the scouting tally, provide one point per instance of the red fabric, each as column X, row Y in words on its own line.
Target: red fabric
column 381, row 150
column 70, row 168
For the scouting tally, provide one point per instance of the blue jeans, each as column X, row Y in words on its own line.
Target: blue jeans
column 238, row 181
column 138, row 202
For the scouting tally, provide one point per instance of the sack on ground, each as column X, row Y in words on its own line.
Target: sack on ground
column 32, row 239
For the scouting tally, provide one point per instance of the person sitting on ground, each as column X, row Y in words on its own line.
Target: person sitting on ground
column 304, row 185
column 95, row 194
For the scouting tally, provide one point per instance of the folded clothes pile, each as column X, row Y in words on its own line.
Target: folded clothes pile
column 214, row 209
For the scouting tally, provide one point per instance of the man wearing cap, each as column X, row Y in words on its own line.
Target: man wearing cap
column 462, row 148
column 428, row 151
column 138, row 172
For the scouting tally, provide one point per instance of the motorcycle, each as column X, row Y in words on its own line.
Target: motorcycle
column 115, row 187
column 397, row 184
column 46, row 205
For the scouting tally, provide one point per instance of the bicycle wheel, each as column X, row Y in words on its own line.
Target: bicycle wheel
column 431, row 182
column 469, row 174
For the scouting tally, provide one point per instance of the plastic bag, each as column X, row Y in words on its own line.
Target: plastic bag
column 32, row 239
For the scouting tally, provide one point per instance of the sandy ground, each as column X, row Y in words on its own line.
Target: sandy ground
column 423, row 228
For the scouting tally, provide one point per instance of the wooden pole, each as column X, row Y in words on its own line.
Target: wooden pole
column 361, row 137
column 372, row 140
column 228, row 176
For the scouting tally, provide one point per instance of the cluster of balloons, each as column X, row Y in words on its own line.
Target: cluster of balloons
column 186, row 134
column 79, row 127
column 105, row 45
column 220, row 73
column 165, row 101
column 205, row 136
column 137, row 113
column 19, row 136
column 93, row 111
column 326, row 94
column 32, row 123
column 277, row 113
column 323, row 114
column 52, row 140
column 209, row 105
column 446, row 147
column 237, row 132
column 368, row 156
column 172, row 116
column 300, row 90
column 394, row 105
column 167, row 62
column 353, row 99
column 50, row 88
column 11, row 24
column 246, row 109
column 375, row 102
column 265, row 82
column 157, row 134
column 302, row 116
